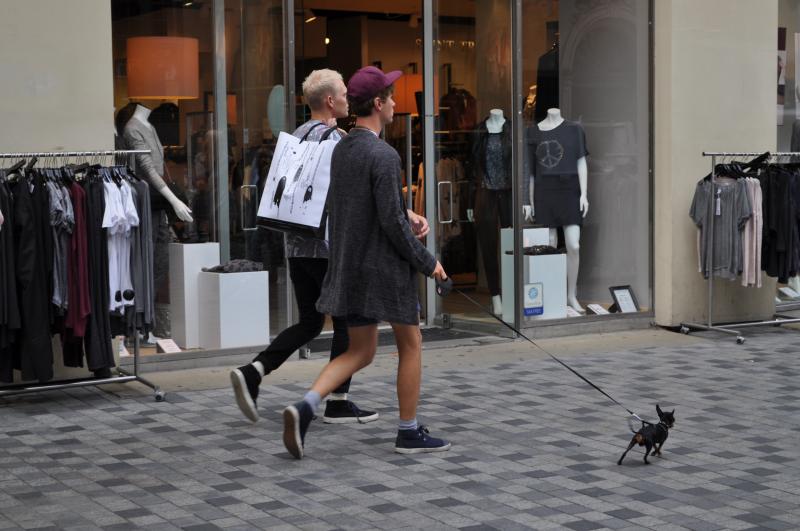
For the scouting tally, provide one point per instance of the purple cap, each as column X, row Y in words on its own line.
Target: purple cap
column 369, row 81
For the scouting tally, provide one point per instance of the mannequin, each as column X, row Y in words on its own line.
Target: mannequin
column 558, row 154
column 495, row 121
column 153, row 163
column 139, row 133
column 492, row 158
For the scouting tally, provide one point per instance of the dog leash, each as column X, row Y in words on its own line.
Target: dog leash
column 443, row 288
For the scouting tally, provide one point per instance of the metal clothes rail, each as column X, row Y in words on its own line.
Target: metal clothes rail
column 62, row 154
column 731, row 328
column 123, row 375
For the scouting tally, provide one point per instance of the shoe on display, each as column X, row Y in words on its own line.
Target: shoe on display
column 245, row 381
column 418, row 441
column 296, row 420
column 346, row 412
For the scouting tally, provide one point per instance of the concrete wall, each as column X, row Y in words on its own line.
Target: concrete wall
column 714, row 90
column 57, row 91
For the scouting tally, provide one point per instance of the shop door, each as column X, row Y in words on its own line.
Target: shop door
column 472, row 203
column 256, row 114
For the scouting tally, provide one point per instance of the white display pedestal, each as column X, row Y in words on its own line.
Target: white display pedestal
column 186, row 261
column 546, row 273
column 234, row 309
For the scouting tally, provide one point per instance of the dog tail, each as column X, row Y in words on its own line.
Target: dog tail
column 631, row 420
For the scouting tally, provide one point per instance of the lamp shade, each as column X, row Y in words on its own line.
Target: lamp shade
column 163, row 68
column 404, row 94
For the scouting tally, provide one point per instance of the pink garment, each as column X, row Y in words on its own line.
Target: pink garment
column 2, row 219
column 751, row 236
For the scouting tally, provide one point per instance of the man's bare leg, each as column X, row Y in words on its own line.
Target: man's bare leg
column 409, row 371
column 361, row 352
column 296, row 418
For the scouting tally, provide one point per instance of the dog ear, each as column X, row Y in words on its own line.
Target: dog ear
column 658, row 410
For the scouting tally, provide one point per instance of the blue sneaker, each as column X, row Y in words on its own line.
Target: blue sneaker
column 418, row 441
column 296, row 420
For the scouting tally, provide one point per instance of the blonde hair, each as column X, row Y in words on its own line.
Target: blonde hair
column 318, row 85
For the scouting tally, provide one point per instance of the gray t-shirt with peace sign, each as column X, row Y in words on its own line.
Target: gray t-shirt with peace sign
column 555, row 152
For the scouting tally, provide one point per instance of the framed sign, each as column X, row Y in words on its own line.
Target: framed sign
column 534, row 299
column 624, row 300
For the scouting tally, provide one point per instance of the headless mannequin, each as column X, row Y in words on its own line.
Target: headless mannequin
column 572, row 233
column 141, row 114
column 494, row 125
column 495, row 121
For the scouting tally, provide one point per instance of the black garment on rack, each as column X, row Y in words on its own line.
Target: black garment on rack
column 99, row 351
column 33, row 350
column 546, row 84
column 780, row 247
column 9, row 305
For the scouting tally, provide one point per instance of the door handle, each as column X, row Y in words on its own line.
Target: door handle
column 441, row 218
column 246, row 198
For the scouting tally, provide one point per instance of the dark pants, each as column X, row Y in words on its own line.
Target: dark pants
column 307, row 275
column 492, row 212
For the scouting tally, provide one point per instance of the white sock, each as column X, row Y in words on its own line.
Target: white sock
column 337, row 396
column 313, row 399
column 408, row 424
column 259, row 367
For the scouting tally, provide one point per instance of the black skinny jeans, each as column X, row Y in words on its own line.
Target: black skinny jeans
column 492, row 213
column 307, row 275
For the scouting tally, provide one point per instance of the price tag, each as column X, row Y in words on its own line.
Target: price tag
column 168, row 346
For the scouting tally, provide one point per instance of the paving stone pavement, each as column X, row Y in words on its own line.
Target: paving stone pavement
column 533, row 448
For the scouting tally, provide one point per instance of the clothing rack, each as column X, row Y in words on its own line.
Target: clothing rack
column 731, row 328
column 123, row 375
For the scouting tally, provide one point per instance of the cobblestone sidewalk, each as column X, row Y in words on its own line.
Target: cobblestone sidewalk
column 533, row 447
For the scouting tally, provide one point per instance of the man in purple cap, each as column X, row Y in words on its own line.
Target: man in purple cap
column 375, row 254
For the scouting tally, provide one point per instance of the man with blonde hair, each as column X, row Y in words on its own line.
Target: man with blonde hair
column 326, row 95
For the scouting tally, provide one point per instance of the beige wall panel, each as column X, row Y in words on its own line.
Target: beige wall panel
column 715, row 89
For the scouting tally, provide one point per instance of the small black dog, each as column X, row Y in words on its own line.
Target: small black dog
column 652, row 435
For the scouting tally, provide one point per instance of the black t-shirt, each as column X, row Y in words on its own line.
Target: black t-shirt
column 556, row 152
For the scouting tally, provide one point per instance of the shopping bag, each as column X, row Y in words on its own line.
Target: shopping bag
column 296, row 190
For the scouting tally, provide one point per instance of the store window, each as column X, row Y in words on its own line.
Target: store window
column 165, row 95
column 787, row 296
column 587, row 146
column 585, row 188
column 473, row 147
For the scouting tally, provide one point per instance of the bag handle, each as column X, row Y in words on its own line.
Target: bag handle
column 305, row 136
column 328, row 133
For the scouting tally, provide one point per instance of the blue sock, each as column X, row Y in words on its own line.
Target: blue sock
column 313, row 399
column 407, row 424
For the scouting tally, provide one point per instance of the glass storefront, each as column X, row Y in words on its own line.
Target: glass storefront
column 505, row 189
column 787, row 296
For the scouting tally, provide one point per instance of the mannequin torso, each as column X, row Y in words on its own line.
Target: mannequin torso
column 495, row 121
column 140, row 134
column 553, row 120
column 142, row 114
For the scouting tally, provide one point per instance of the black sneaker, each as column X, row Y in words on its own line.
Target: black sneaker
column 245, row 381
column 296, row 419
column 418, row 441
column 346, row 412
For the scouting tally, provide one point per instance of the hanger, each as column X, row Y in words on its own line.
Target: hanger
column 16, row 167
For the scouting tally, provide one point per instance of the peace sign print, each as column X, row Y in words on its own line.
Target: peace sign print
column 549, row 153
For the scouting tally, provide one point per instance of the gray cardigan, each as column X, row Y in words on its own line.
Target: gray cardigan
column 143, row 136
column 374, row 256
